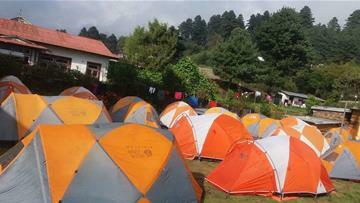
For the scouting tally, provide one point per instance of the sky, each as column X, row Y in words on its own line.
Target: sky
column 121, row 17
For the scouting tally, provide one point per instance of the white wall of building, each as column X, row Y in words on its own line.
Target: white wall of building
column 284, row 97
column 79, row 59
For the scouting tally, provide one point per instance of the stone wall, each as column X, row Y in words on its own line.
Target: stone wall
column 332, row 115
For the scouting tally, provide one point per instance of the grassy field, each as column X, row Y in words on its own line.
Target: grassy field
column 346, row 191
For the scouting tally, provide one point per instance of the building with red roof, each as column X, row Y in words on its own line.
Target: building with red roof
column 19, row 38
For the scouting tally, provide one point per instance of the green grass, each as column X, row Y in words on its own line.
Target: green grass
column 346, row 191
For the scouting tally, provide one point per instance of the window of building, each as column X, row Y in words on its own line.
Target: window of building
column 93, row 69
column 21, row 54
column 46, row 59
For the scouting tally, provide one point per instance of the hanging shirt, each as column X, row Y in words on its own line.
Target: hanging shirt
column 178, row 95
column 193, row 101
column 152, row 90
column 212, row 103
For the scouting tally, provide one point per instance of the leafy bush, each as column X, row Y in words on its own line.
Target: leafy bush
column 311, row 101
column 185, row 76
column 265, row 109
column 10, row 66
column 121, row 72
column 202, row 58
column 151, row 77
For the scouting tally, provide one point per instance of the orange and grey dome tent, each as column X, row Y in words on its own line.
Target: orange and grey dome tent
column 99, row 163
column 175, row 111
column 132, row 109
column 343, row 158
column 343, row 161
column 252, row 118
column 337, row 136
column 80, row 92
column 9, row 84
column 309, row 134
column 221, row 110
column 208, row 136
column 279, row 165
column 259, row 125
column 22, row 113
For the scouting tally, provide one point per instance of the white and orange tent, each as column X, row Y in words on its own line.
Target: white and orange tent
column 308, row 134
column 259, row 125
column 175, row 111
column 208, row 136
column 222, row 110
column 279, row 165
column 80, row 92
column 11, row 84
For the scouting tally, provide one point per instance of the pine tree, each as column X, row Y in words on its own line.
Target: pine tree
column 240, row 20
column 282, row 41
column 236, row 58
column 353, row 21
column 83, row 32
column 214, row 25
column 93, row 33
column 334, row 24
column 228, row 23
column 307, row 17
column 199, row 30
column 186, row 29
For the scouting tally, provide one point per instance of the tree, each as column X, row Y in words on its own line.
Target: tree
column 326, row 44
column 228, row 23
column 151, row 48
column 122, row 73
column 351, row 33
column 236, row 58
column 266, row 15
column 240, row 20
column 307, row 17
column 353, row 21
column 252, row 23
column 111, row 43
column 186, row 29
column 282, row 42
column 121, row 44
column 103, row 38
column 93, row 33
column 256, row 20
column 310, row 102
column 214, row 25
column 83, row 32
column 334, row 24
column 330, row 81
column 199, row 30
